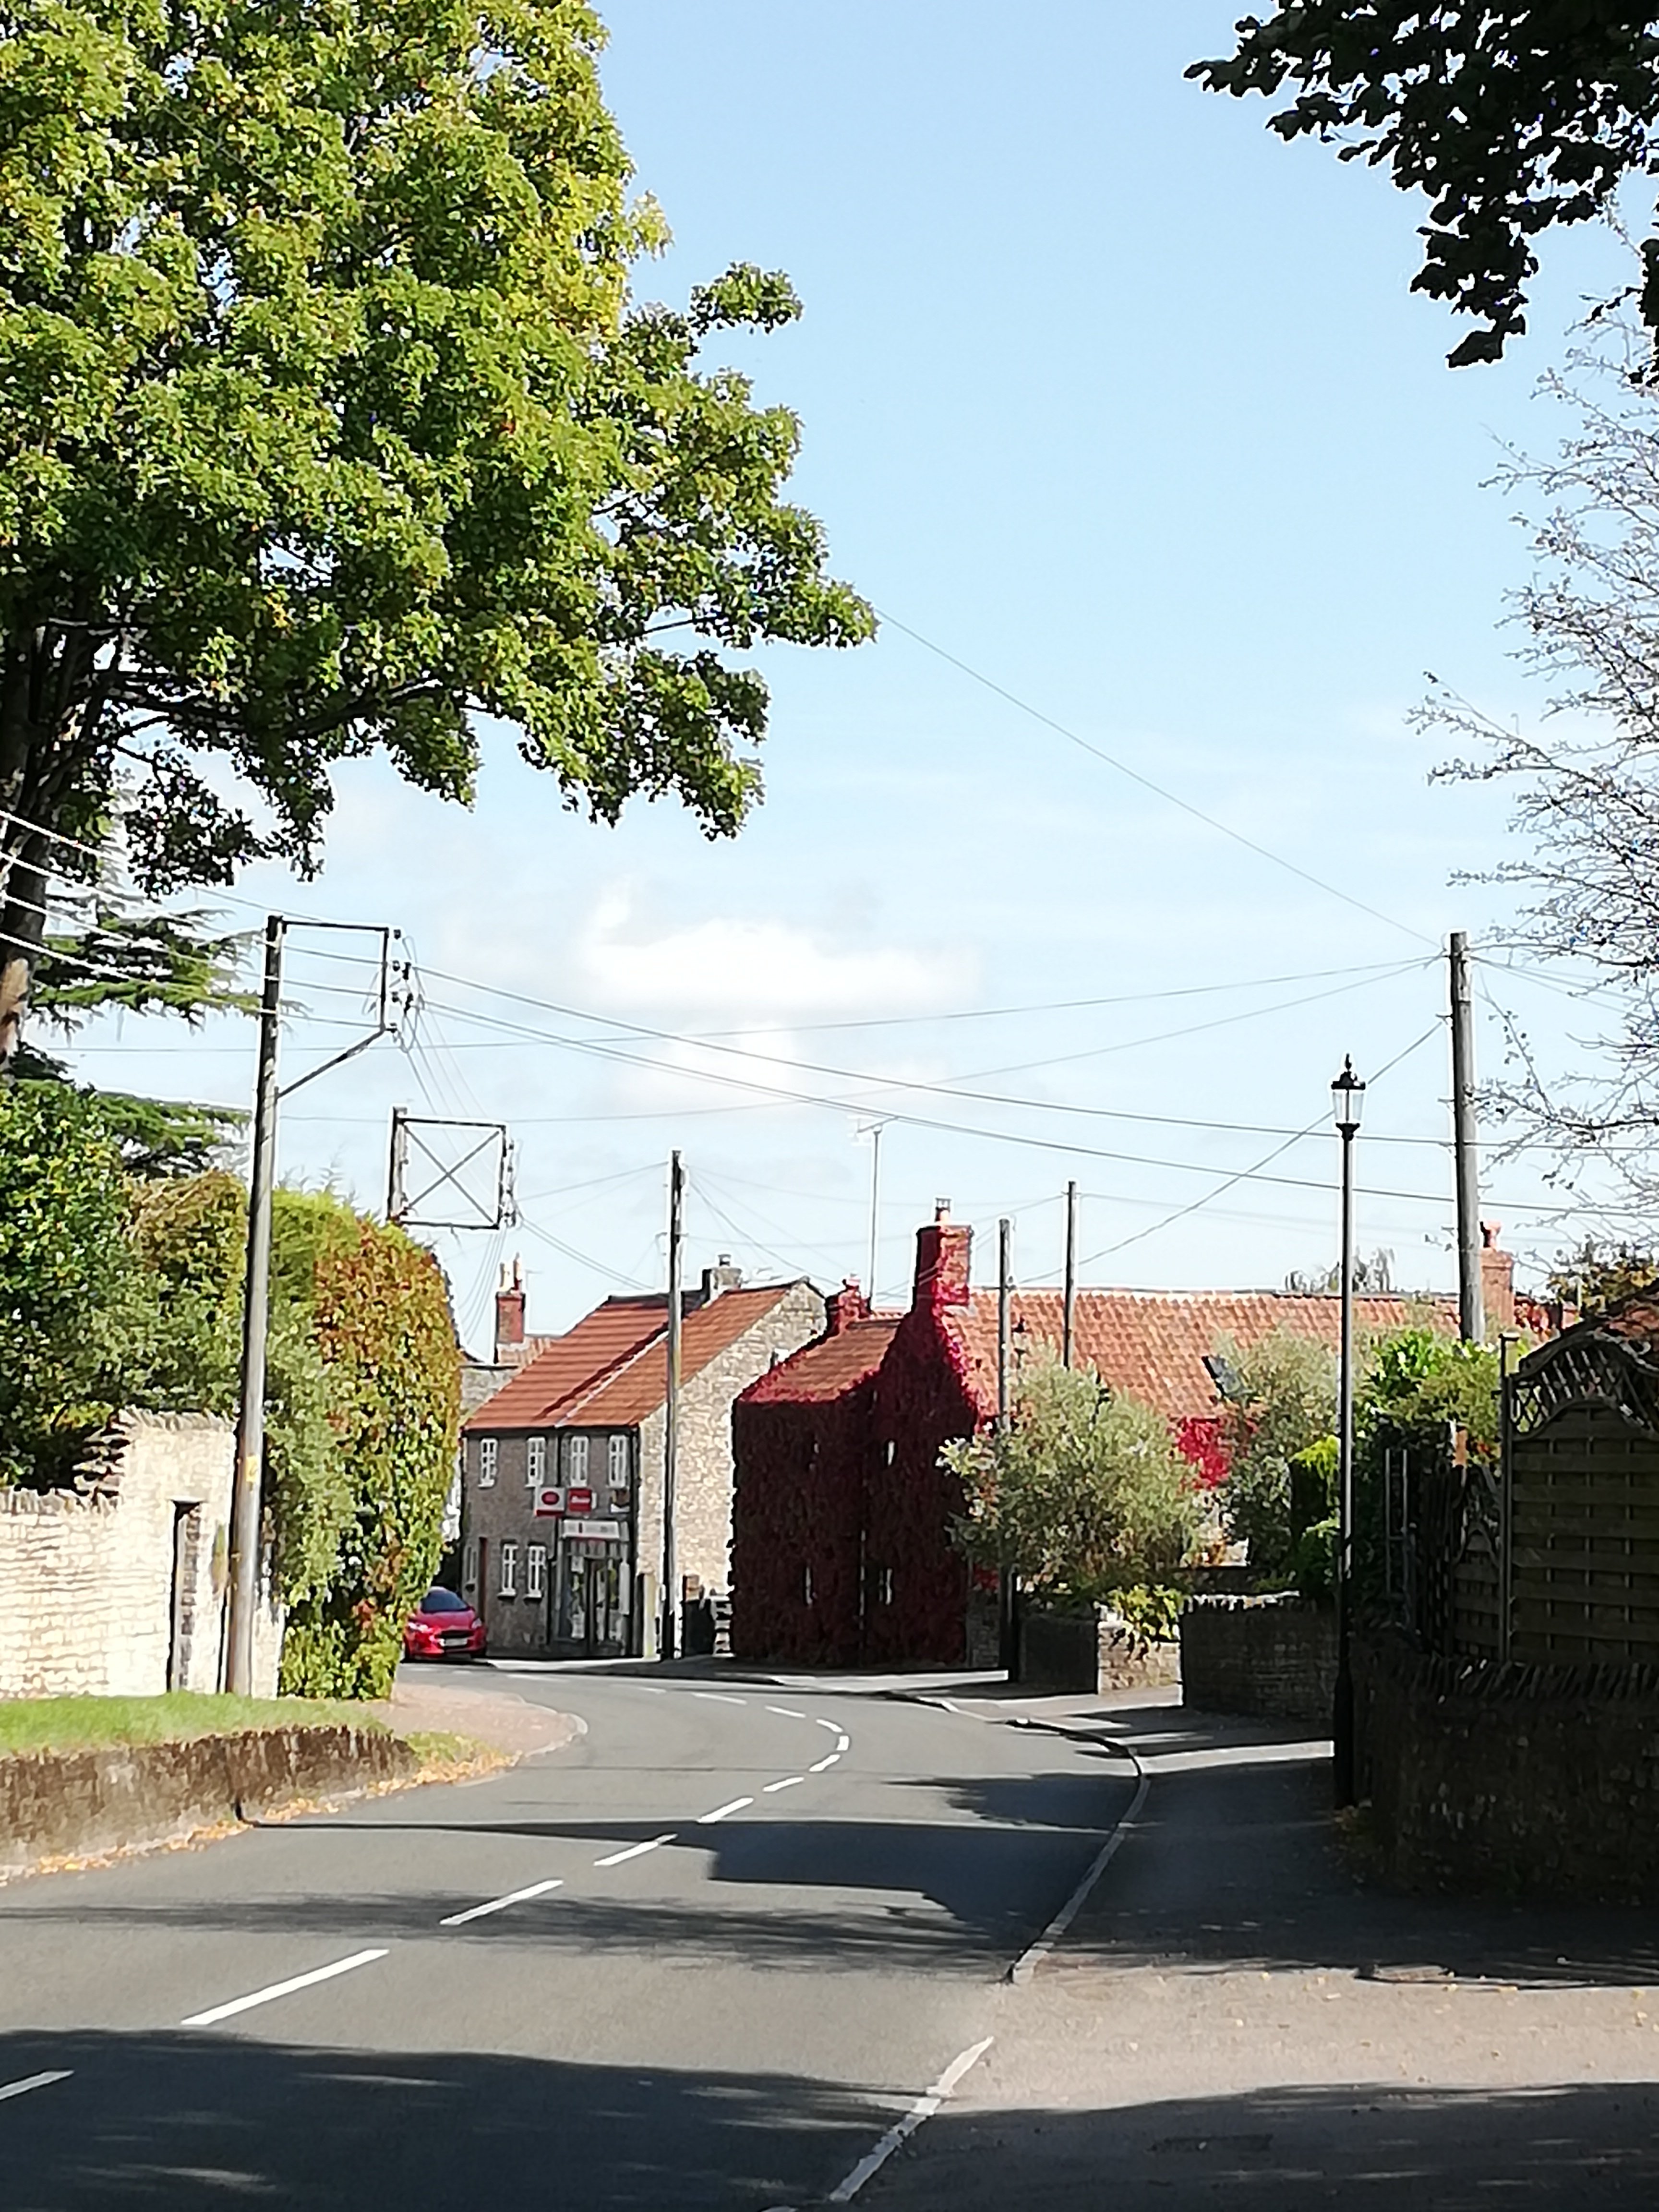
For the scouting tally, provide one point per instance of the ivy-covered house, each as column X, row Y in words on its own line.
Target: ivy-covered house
column 842, row 1514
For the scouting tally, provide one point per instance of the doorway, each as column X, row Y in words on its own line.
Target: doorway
column 591, row 1617
column 181, row 1623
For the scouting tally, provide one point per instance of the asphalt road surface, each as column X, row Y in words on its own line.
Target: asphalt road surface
column 709, row 1956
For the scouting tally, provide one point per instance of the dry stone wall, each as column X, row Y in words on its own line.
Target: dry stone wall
column 120, row 1593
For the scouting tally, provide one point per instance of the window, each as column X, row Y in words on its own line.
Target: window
column 470, row 1564
column 509, row 1582
column 616, row 1461
column 490, row 1451
column 535, row 1472
column 575, row 1460
column 535, row 1571
column 884, row 1586
column 806, row 1584
column 892, row 1449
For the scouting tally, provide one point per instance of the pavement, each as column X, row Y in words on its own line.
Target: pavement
column 706, row 1955
column 1236, row 2019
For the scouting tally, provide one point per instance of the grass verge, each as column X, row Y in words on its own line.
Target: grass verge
column 95, row 1723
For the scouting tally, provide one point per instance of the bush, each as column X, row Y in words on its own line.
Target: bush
column 1282, row 1400
column 1083, row 1497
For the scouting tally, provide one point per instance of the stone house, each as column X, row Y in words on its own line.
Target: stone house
column 842, row 1515
column 562, row 1467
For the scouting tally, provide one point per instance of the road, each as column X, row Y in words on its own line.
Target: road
column 706, row 1957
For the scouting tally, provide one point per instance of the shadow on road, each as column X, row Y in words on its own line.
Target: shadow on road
column 197, row 2122
column 1291, row 2149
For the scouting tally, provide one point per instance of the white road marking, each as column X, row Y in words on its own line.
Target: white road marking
column 1034, row 1954
column 718, row 1697
column 788, row 1711
column 923, row 2109
column 833, row 1726
column 637, row 1850
column 707, row 1819
column 794, row 1783
column 843, row 1743
column 34, row 2082
column 217, row 2012
column 822, row 1763
column 499, row 1903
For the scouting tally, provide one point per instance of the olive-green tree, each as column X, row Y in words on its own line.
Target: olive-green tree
column 1281, row 1398
column 1084, row 1495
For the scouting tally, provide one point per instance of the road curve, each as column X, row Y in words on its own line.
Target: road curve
column 709, row 1956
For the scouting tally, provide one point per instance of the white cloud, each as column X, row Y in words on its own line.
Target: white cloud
column 758, row 972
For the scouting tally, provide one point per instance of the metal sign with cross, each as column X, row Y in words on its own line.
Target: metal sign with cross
column 467, row 1169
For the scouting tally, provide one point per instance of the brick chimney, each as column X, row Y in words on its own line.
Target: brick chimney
column 1496, row 1281
column 509, row 1314
column 846, row 1305
column 942, row 1256
column 721, row 1276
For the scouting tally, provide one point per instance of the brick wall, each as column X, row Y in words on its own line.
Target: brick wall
column 95, row 1589
column 1532, row 1780
column 1271, row 1656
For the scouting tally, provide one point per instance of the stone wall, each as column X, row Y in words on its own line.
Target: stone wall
column 703, row 1476
column 84, row 1801
column 1538, row 1781
column 120, row 1593
column 1091, row 1652
column 1270, row 1656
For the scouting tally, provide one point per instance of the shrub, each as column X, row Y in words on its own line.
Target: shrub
column 1082, row 1497
column 1282, row 1400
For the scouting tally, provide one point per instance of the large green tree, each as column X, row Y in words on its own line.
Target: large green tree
column 328, row 424
column 1510, row 115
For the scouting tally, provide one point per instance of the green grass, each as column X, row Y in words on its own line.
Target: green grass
column 90, row 1724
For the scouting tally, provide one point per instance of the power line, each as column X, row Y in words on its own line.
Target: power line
column 1160, row 791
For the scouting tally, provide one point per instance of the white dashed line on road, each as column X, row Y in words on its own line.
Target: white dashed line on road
column 217, row 2012
column 833, row 1726
column 499, row 1903
column 718, row 1697
column 707, row 1819
column 787, row 1712
column 923, row 2109
column 828, row 1761
column 843, row 1743
column 637, row 1850
column 33, row 2081
column 793, row 1782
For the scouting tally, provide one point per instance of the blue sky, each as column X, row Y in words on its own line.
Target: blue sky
column 1126, row 406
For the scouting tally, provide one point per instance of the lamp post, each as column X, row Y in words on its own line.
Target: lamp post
column 1347, row 1099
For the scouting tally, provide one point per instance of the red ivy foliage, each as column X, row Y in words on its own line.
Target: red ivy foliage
column 1200, row 1441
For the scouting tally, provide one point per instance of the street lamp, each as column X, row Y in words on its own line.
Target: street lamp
column 1347, row 1101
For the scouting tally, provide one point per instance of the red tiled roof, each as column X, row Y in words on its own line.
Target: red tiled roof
column 820, row 1372
column 611, row 1370
column 574, row 1362
column 1150, row 1344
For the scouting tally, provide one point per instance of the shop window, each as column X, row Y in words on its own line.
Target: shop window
column 535, row 1571
column 508, row 1586
column 490, row 1452
column 535, row 1462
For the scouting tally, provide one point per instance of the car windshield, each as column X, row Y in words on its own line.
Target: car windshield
column 443, row 1601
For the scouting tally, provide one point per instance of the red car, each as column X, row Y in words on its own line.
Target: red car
column 443, row 1626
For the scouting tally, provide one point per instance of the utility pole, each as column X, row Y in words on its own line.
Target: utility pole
column 1471, row 1322
column 872, row 1130
column 1005, row 1274
column 1068, row 1312
column 671, row 1426
column 245, row 1497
